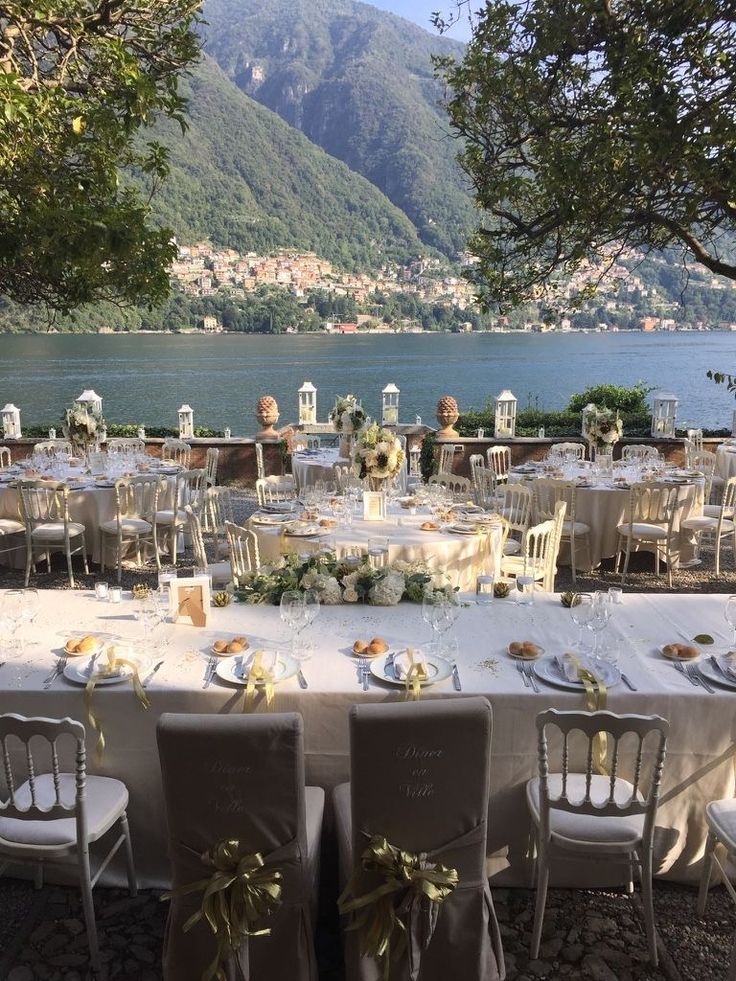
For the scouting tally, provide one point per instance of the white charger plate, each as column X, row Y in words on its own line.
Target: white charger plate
column 546, row 670
column 79, row 671
column 437, row 670
column 230, row 668
column 713, row 674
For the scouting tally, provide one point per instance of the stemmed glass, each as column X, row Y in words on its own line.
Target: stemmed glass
column 30, row 606
column 730, row 616
column 599, row 620
column 293, row 614
column 13, row 612
column 430, row 613
column 581, row 611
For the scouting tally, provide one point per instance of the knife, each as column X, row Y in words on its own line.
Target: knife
column 301, row 679
column 390, row 668
column 152, row 672
column 456, row 678
column 210, row 673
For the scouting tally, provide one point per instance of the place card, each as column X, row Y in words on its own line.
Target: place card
column 374, row 506
column 190, row 600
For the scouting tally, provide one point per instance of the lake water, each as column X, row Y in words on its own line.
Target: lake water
column 145, row 378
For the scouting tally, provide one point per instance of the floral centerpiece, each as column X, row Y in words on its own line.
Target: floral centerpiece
column 377, row 454
column 336, row 581
column 347, row 417
column 602, row 428
column 83, row 427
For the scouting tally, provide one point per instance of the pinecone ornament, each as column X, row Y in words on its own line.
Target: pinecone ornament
column 447, row 415
column 267, row 414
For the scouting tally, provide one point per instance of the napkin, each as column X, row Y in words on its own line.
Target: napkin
column 728, row 663
column 260, row 667
column 569, row 664
column 266, row 660
column 403, row 663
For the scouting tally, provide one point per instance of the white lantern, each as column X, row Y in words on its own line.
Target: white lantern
column 664, row 414
column 414, row 461
column 141, row 432
column 505, row 427
column 91, row 399
column 228, row 432
column 390, row 415
column 588, row 411
column 11, row 422
column 307, row 404
column 186, row 422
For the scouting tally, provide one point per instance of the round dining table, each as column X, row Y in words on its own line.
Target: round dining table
column 462, row 556
column 726, row 459
column 312, row 466
column 600, row 503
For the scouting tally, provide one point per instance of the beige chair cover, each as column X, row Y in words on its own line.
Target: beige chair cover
column 420, row 777
column 241, row 777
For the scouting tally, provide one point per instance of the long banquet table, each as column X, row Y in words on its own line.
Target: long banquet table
column 700, row 758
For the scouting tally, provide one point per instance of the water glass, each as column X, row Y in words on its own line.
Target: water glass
column 116, row 594
column 378, row 552
column 524, row 590
column 101, row 590
column 581, row 611
column 484, row 590
column 730, row 615
column 616, row 595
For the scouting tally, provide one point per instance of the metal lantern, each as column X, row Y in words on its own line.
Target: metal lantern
column 505, row 427
column 307, row 404
column 11, row 422
column 186, row 422
column 390, row 415
column 141, row 432
column 588, row 411
column 91, row 399
column 664, row 414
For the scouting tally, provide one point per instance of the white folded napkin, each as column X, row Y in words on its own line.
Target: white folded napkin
column 269, row 661
column 728, row 663
column 569, row 668
column 402, row 663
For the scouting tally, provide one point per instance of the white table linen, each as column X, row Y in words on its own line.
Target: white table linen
column 726, row 460
column 700, row 757
column 317, row 465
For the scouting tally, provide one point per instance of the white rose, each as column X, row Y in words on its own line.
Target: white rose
column 349, row 595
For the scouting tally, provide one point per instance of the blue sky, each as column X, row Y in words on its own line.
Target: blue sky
column 420, row 12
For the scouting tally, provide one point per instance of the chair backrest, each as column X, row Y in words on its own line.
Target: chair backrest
column 236, row 777
column 705, row 461
column 696, row 438
column 576, row 450
column 547, row 492
column 195, row 533
column 274, row 489
column 727, row 510
column 190, row 488
column 314, row 443
column 515, row 502
column 178, row 451
column 541, row 546
column 220, row 507
column 476, row 460
column 138, row 497
column 499, row 460
column 243, row 547
column 459, row 486
column 53, row 448
column 30, row 750
column 260, row 466
column 640, row 451
column 126, row 444
column 484, row 480
column 420, row 775
column 5, row 457
column 446, row 463
column 43, row 501
column 630, row 737
column 651, row 503
column 211, row 460
column 689, row 448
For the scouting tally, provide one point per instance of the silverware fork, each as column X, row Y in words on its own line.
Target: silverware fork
column 363, row 668
column 522, row 672
column 680, row 667
column 693, row 672
column 57, row 669
column 529, row 671
column 209, row 671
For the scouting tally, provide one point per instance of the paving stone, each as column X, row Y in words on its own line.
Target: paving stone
column 597, row 969
column 22, row 973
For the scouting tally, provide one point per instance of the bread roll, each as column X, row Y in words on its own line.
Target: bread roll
column 687, row 652
column 377, row 646
column 220, row 646
column 530, row 650
column 72, row 646
column 671, row 650
column 235, row 647
column 360, row 646
column 88, row 644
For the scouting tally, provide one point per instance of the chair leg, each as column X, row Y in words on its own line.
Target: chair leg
column 541, row 902
column 88, row 906
column 705, row 878
column 102, row 551
column 68, row 550
column 174, row 536
column 626, row 561
column 630, row 883
column 573, row 549
column 29, row 560
column 84, row 555
column 130, row 867
column 648, row 904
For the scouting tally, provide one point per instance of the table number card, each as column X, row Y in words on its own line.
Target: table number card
column 374, row 506
column 190, row 600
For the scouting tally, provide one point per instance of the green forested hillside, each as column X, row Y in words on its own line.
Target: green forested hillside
column 359, row 83
column 244, row 178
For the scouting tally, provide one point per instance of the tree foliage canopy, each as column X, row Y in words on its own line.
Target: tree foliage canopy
column 593, row 127
column 78, row 79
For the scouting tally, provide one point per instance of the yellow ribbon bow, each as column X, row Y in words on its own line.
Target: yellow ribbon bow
column 256, row 673
column 416, row 673
column 239, row 894
column 388, row 917
column 112, row 665
column 596, row 697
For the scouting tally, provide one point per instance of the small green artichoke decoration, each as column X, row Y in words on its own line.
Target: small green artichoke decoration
column 569, row 599
column 501, row 590
column 222, row 599
column 141, row 591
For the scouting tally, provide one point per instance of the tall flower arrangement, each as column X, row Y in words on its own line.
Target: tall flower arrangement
column 377, row 454
column 82, row 426
column 603, row 427
column 347, row 415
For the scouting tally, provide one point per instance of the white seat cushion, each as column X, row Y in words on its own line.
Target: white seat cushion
column 106, row 801
column 642, row 529
column 514, row 566
column 721, row 817
column 580, row 528
column 512, row 547
column 712, row 510
column 10, row 527
column 53, row 531
column 129, row 526
column 580, row 831
column 167, row 517
column 706, row 523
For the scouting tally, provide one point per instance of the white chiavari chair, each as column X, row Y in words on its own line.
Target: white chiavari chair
column 499, row 460
column 539, row 552
column 515, row 503
column 190, row 489
column 219, row 572
column 53, row 449
column 717, row 527
column 243, row 549
column 136, row 505
column 48, row 813
column 641, row 452
column 177, row 451
column 446, row 463
column 5, row 457
column 547, row 492
column 44, row 508
column 260, row 465
column 211, row 461
column 649, row 520
column 603, row 815
column 275, row 490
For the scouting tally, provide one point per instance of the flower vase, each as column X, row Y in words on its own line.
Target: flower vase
column 377, row 484
column 346, row 446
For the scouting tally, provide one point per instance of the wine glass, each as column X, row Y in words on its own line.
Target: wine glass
column 30, row 606
column 581, row 611
column 291, row 609
column 430, row 612
column 13, row 612
column 730, row 615
column 447, row 613
column 599, row 620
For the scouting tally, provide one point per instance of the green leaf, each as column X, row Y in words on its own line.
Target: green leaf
column 703, row 639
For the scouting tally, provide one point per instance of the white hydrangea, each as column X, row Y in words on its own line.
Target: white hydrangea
column 388, row 590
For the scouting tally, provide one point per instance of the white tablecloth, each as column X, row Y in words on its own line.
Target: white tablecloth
column 603, row 508
column 462, row 557
column 310, row 467
column 726, row 460
column 700, row 756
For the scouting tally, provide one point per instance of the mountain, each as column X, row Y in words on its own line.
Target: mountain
column 359, row 82
column 244, row 178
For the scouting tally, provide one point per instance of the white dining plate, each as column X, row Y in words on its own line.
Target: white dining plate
column 270, row 519
column 278, row 507
column 462, row 530
column 307, row 531
column 79, row 670
column 676, row 657
column 546, row 670
column 712, row 673
column 233, row 670
column 438, row 669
